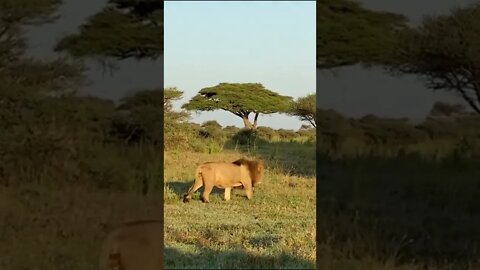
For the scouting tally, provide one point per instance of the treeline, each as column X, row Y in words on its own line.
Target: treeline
column 448, row 129
column 82, row 140
column 86, row 141
column 94, row 142
column 210, row 136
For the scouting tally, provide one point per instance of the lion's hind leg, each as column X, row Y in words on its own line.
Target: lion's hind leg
column 206, row 192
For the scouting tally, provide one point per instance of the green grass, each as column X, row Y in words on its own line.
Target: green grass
column 274, row 230
column 385, row 213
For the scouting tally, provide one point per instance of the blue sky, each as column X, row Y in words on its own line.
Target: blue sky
column 272, row 43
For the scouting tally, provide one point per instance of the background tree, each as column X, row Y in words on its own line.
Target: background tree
column 241, row 99
column 348, row 34
column 445, row 50
column 172, row 117
column 334, row 128
column 15, row 67
column 123, row 29
column 306, row 109
column 34, row 95
column 142, row 115
column 13, row 15
column 126, row 29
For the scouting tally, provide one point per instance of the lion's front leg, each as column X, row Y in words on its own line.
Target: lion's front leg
column 249, row 193
column 248, row 189
column 228, row 191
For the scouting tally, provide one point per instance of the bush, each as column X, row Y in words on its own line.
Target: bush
column 286, row 134
column 244, row 136
column 267, row 133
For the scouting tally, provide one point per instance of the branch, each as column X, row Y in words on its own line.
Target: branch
column 476, row 89
column 456, row 83
column 244, row 113
column 312, row 122
column 256, row 116
column 473, row 78
column 255, row 119
column 460, row 87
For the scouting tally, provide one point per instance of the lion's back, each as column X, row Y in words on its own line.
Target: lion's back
column 221, row 173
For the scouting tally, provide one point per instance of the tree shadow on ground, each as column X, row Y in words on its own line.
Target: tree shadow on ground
column 207, row 258
column 292, row 158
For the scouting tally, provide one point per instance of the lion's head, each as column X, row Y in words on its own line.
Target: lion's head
column 255, row 167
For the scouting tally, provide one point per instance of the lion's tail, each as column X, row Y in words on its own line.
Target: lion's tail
column 110, row 256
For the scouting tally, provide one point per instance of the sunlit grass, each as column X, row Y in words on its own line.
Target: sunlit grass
column 274, row 230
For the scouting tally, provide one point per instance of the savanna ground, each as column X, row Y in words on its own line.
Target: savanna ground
column 403, row 211
column 276, row 229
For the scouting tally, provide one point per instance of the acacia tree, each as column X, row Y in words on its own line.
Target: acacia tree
column 306, row 109
column 349, row 34
column 141, row 117
column 15, row 67
column 13, row 15
column 25, row 79
column 445, row 51
column 123, row 29
column 241, row 99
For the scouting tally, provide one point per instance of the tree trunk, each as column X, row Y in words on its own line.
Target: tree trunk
column 244, row 115
column 247, row 123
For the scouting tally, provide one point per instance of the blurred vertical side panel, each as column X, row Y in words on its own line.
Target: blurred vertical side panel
column 398, row 134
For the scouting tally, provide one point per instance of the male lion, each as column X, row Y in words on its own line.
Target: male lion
column 133, row 246
column 242, row 172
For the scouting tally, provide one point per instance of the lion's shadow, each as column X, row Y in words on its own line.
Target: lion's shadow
column 181, row 187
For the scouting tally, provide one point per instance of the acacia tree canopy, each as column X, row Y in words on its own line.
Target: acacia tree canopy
column 13, row 15
column 349, row 34
column 241, row 99
column 445, row 50
column 126, row 29
column 123, row 29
